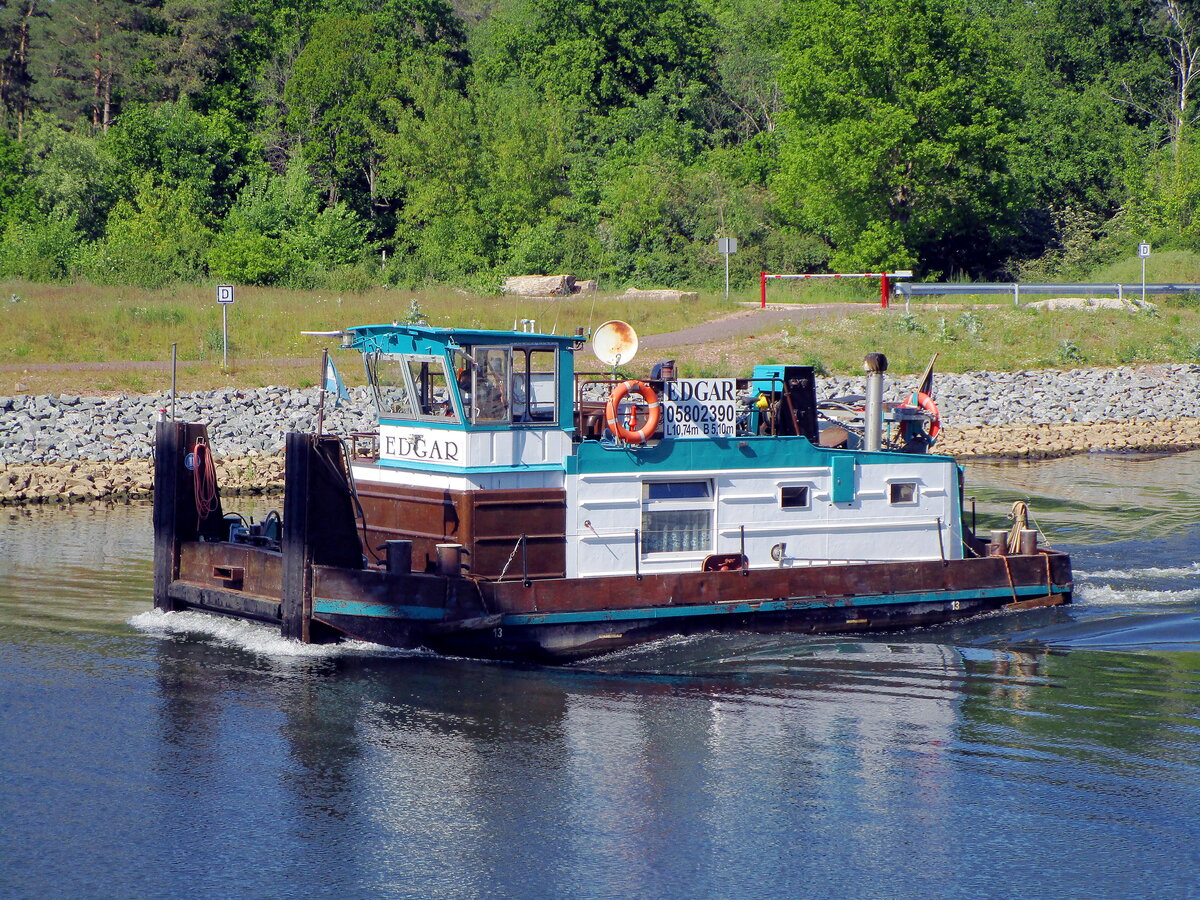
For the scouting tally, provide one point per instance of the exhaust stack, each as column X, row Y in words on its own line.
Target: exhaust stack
column 876, row 365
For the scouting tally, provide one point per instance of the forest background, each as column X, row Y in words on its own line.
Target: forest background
column 302, row 143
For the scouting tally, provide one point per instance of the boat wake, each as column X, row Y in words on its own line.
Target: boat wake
column 251, row 637
column 1111, row 595
column 1148, row 572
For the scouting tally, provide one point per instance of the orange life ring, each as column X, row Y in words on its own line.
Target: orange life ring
column 925, row 402
column 644, row 433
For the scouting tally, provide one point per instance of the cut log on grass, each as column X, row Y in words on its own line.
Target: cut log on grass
column 665, row 294
column 539, row 285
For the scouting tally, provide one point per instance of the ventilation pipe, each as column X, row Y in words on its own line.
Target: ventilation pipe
column 876, row 365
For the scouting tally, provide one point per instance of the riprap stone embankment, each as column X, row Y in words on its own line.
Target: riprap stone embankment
column 63, row 447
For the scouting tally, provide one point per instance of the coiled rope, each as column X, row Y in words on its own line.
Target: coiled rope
column 204, row 482
column 1022, row 518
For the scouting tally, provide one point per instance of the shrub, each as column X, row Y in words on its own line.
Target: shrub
column 1068, row 352
column 153, row 240
column 40, row 250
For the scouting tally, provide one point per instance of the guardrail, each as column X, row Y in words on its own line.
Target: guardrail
column 908, row 289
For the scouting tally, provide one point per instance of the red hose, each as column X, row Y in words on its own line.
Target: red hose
column 204, row 482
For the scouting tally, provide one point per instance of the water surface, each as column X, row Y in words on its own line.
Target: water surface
column 1053, row 753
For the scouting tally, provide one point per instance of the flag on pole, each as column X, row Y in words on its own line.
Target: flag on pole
column 927, row 379
column 334, row 383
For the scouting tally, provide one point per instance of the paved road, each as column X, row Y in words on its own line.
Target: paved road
column 750, row 321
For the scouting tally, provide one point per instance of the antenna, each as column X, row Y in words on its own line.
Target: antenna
column 615, row 342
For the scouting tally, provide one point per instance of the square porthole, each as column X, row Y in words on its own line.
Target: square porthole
column 901, row 492
column 794, row 496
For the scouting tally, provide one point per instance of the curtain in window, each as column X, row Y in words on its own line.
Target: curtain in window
column 676, row 531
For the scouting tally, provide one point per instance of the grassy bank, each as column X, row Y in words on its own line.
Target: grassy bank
column 101, row 339
column 965, row 339
column 87, row 323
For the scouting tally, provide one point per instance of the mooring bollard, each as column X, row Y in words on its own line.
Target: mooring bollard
column 450, row 559
column 999, row 543
column 399, row 557
column 1029, row 541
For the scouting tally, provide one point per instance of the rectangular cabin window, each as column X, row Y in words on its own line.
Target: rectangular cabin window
column 677, row 516
column 392, row 395
column 535, row 385
column 430, row 388
column 793, row 496
column 487, row 391
column 503, row 385
column 902, row 492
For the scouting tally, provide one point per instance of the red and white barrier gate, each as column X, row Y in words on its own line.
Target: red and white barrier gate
column 884, row 282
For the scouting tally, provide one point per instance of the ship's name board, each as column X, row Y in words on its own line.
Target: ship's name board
column 426, row 445
column 699, row 408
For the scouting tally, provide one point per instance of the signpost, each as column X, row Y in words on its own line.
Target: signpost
column 1144, row 254
column 726, row 246
column 225, row 297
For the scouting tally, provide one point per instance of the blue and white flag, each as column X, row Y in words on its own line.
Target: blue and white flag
column 334, row 383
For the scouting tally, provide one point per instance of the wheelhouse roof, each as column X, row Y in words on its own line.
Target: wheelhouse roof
column 420, row 338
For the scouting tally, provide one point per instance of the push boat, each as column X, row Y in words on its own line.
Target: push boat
column 509, row 506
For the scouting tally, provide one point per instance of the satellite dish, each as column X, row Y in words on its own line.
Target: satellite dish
column 615, row 343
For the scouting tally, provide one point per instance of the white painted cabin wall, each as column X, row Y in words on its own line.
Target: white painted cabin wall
column 867, row 529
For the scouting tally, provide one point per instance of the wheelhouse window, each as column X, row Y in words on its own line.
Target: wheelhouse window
column 431, row 387
column 392, row 394
column 535, row 385
column 677, row 516
column 793, row 496
column 508, row 385
column 902, row 492
column 483, row 381
column 411, row 387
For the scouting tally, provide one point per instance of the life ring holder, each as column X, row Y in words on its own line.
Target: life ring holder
column 923, row 401
column 644, row 433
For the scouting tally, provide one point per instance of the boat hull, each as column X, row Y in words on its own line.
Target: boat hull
column 547, row 640
column 564, row 619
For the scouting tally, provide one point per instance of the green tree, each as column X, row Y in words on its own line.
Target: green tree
column 606, row 53
column 71, row 174
column 16, row 20
column 153, row 238
column 278, row 232
column 347, row 74
column 898, row 129
column 16, row 194
column 1078, row 137
column 210, row 154
column 39, row 248
column 85, row 49
column 184, row 48
column 433, row 166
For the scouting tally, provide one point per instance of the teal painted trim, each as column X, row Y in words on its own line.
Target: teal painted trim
column 427, row 339
column 376, row 610
column 752, row 606
column 440, row 424
column 429, row 613
column 843, row 479
column 469, row 470
column 732, row 454
column 468, row 428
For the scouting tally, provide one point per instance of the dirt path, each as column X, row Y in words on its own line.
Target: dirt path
column 750, row 321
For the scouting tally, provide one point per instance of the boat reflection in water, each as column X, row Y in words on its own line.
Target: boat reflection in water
column 209, row 757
